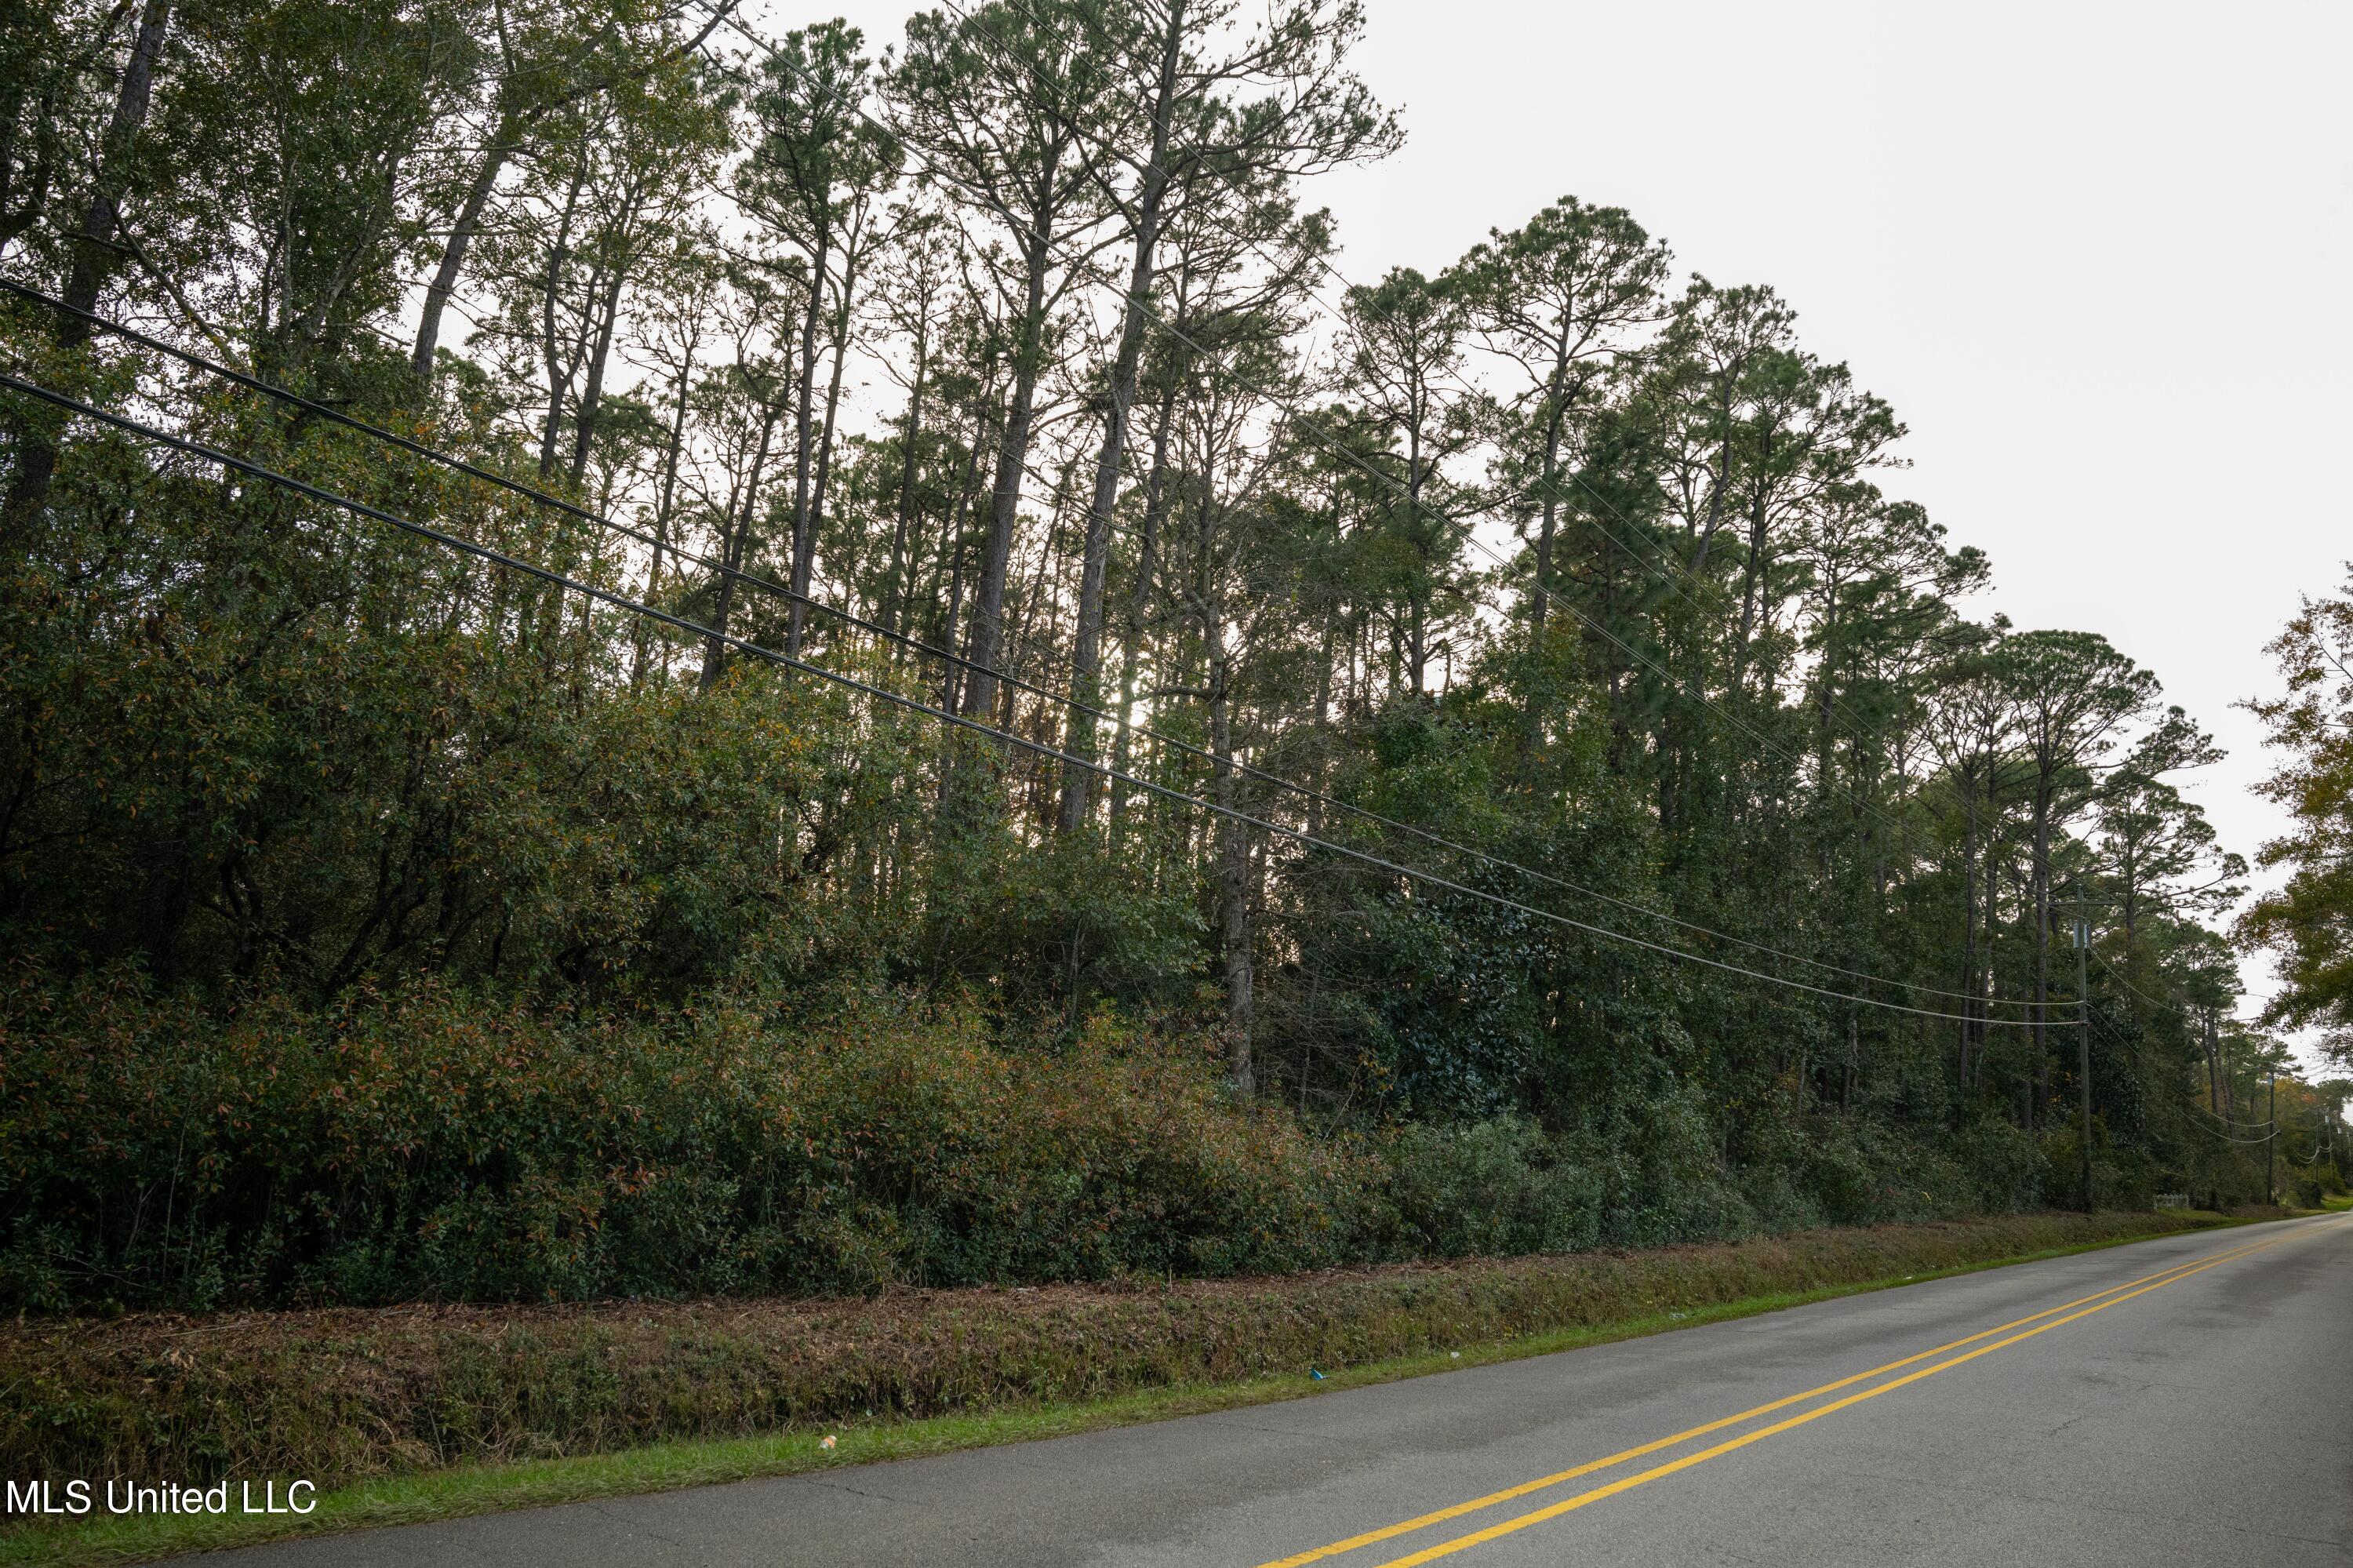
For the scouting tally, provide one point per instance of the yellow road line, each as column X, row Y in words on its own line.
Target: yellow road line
column 1494, row 1532
column 1439, row 1516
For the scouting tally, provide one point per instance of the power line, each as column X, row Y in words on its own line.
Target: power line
column 1323, row 440
column 623, row 602
column 1099, row 714
column 1336, row 450
column 1522, row 493
column 2231, row 1122
column 460, row 465
column 2177, row 1009
column 1903, row 830
column 2224, row 1137
column 1339, row 450
column 2110, row 970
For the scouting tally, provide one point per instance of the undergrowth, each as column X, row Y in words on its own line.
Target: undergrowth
column 431, row 1143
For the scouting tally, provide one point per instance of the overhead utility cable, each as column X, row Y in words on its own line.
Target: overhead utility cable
column 1903, row 829
column 623, row 602
column 460, row 465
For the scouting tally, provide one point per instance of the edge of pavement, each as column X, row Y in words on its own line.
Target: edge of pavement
column 466, row 1490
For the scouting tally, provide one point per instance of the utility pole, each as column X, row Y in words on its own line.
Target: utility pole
column 2083, row 1045
column 2271, row 1139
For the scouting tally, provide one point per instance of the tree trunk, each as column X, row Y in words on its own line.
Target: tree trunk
column 804, row 556
column 558, row 378
column 1417, row 627
column 804, row 569
column 1004, row 502
column 95, row 256
column 804, row 536
column 1720, row 483
column 1854, row 1054
column 1080, row 736
column 2213, row 1074
column 714, row 649
column 951, row 677
column 1989, row 895
column 1540, row 598
column 910, row 437
column 592, row 390
column 504, row 139
column 1969, row 918
column 2042, row 880
column 1139, row 607
column 953, row 540
column 1233, row 917
column 1752, row 570
column 664, row 508
column 1234, row 868
column 1320, row 726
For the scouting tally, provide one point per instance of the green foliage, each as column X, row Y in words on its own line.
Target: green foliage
column 434, row 1143
column 1490, row 1189
column 391, row 924
column 2309, row 921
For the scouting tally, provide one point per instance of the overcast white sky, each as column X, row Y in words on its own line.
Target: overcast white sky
column 2094, row 254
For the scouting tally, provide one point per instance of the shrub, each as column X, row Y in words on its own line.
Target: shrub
column 2003, row 1164
column 1489, row 1189
column 427, row 1144
column 432, row 1143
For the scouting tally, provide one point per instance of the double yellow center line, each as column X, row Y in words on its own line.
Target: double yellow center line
column 2001, row 1335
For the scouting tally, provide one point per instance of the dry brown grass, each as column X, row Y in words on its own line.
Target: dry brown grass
column 341, row 1395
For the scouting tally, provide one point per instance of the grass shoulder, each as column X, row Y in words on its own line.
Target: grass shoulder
column 1678, row 1297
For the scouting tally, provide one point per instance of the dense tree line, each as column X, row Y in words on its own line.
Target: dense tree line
column 1009, row 368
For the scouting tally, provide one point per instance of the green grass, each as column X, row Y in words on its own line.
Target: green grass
column 463, row 1490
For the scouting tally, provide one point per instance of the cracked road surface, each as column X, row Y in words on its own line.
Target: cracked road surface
column 2186, row 1401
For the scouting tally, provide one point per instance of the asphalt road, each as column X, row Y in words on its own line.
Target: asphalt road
column 2186, row 1401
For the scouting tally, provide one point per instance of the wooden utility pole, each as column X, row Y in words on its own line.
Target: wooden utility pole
column 2084, row 1047
column 2271, row 1139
